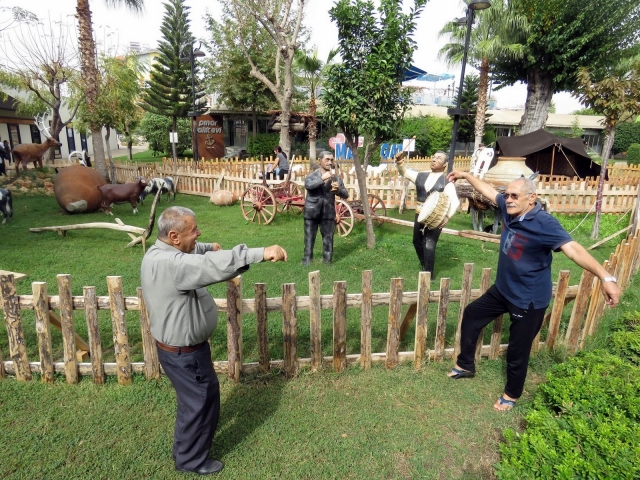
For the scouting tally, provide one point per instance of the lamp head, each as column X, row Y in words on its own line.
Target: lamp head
column 479, row 4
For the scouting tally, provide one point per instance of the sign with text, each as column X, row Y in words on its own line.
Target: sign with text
column 210, row 136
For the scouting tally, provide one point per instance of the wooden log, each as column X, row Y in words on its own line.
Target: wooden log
column 496, row 337
column 420, row 348
column 485, row 281
column 556, row 311
column 594, row 306
column 149, row 348
column 339, row 326
column 579, row 309
column 84, row 226
column 11, row 309
column 441, row 322
column 41, row 310
column 234, row 327
column 68, row 330
column 393, row 328
column 365, row 320
column 119, row 326
column 408, row 320
column 605, row 240
column 290, row 330
column 93, row 330
column 315, row 320
column 262, row 326
column 467, row 278
column 82, row 347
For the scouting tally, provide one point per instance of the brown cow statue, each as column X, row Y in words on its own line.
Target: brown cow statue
column 33, row 152
column 122, row 193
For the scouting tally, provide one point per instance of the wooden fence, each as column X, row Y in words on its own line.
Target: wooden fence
column 562, row 194
column 587, row 310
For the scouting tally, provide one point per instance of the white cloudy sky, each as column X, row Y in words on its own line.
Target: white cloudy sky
column 117, row 27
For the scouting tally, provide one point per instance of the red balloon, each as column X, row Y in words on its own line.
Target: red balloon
column 332, row 143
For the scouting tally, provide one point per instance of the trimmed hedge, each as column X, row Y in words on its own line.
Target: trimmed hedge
column 585, row 420
column 633, row 154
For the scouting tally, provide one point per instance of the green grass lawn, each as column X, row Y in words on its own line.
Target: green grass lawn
column 373, row 424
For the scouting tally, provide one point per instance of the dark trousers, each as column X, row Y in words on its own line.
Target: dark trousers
column 281, row 173
column 525, row 325
column 424, row 241
column 327, row 227
column 198, row 395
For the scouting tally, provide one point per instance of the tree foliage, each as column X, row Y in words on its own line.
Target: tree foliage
column 282, row 21
column 155, row 129
column 364, row 94
column 633, row 154
column 564, row 36
column 626, row 134
column 228, row 73
column 432, row 134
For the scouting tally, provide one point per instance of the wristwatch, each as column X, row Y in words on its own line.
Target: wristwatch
column 610, row 279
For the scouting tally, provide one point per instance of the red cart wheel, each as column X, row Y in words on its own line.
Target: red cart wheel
column 377, row 208
column 344, row 218
column 293, row 201
column 258, row 204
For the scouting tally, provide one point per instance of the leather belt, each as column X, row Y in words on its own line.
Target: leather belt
column 179, row 350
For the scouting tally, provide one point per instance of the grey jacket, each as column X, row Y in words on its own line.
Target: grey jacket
column 181, row 310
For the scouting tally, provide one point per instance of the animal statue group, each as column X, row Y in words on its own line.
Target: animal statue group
column 165, row 185
column 33, row 152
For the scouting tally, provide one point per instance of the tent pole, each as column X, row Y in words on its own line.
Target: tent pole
column 553, row 157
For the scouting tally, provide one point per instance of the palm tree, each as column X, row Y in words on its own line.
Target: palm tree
column 500, row 33
column 312, row 73
column 90, row 74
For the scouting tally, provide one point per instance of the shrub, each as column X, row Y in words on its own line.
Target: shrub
column 633, row 154
column 625, row 341
column 626, row 134
column 431, row 133
column 262, row 144
column 583, row 423
column 155, row 129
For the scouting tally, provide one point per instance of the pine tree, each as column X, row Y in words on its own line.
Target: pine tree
column 169, row 92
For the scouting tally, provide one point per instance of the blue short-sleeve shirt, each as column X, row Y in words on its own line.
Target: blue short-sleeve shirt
column 524, row 263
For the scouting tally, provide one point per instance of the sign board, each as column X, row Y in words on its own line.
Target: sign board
column 210, row 136
column 173, row 137
column 409, row 145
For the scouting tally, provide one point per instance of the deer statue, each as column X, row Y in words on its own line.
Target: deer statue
column 33, row 152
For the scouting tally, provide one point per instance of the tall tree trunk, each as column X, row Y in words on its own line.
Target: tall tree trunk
column 112, row 171
column 254, row 117
column 174, row 128
column 313, row 127
column 352, row 143
column 285, row 139
column 539, row 94
column 90, row 78
column 606, row 151
column 481, row 112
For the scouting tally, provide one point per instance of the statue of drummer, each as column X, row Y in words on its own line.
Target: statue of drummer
column 425, row 237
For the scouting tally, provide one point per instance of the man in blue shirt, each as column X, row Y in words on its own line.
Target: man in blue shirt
column 523, row 284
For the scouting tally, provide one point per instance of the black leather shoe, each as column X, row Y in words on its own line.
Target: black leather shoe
column 209, row 467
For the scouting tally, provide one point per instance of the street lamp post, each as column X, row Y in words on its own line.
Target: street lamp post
column 472, row 6
column 193, row 54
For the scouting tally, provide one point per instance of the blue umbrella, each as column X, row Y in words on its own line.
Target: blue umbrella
column 412, row 73
column 432, row 77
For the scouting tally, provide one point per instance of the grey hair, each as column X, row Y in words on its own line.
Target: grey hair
column 173, row 218
column 325, row 153
column 528, row 185
column 445, row 154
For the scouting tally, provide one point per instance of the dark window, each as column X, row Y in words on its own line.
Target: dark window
column 35, row 134
column 83, row 141
column 14, row 134
column 71, row 139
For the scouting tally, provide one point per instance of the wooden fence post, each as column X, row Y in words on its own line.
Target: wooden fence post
column 420, row 348
column 365, row 320
column 234, row 328
column 68, row 330
column 578, row 311
column 485, row 282
column 465, row 296
column 119, row 326
column 11, row 308
column 393, row 327
column 339, row 326
column 315, row 321
column 441, row 322
column 93, row 330
column 43, row 331
column 556, row 311
column 149, row 349
column 262, row 326
column 290, row 329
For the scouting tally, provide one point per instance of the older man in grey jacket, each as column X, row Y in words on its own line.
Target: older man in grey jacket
column 175, row 273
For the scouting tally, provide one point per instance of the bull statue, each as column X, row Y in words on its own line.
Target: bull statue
column 33, row 152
